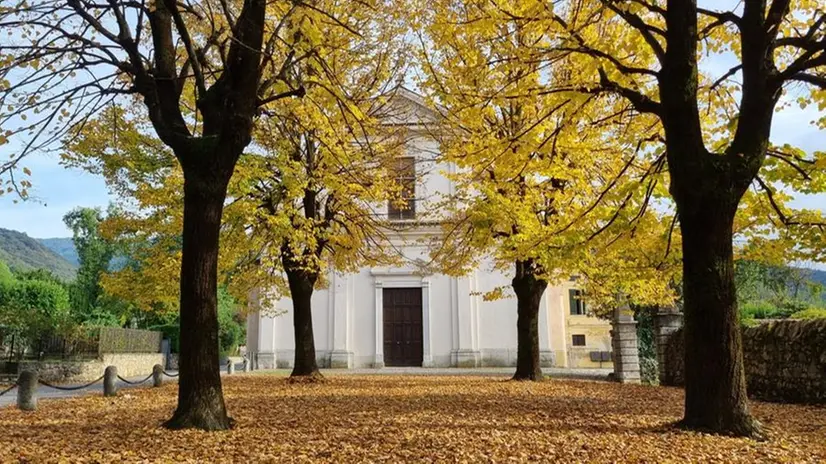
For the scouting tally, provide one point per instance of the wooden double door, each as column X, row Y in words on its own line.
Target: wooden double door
column 402, row 316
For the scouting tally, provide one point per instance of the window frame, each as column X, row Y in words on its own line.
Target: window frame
column 576, row 303
column 576, row 337
column 405, row 174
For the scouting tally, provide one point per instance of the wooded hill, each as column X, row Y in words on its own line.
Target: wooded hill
column 63, row 246
column 23, row 253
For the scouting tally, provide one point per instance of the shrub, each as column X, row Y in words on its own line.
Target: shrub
column 649, row 371
column 645, row 331
column 34, row 309
column 28, row 300
column 230, row 330
column 5, row 274
column 811, row 313
column 766, row 310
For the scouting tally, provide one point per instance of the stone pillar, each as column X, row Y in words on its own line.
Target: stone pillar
column 230, row 367
column 27, row 391
column 624, row 344
column 110, row 381
column 247, row 365
column 378, row 360
column 157, row 375
column 667, row 321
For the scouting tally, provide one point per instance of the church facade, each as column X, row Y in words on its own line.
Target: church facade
column 402, row 316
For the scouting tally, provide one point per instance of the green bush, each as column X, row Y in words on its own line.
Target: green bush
column 645, row 331
column 766, row 310
column 649, row 371
column 48, row 299
column 811, row 313
column 230, row 329
column 32, row 309
column 5, row 274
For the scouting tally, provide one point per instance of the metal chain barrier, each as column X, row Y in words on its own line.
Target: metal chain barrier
column 171, row 375
column 8, row 389
column 78, row 387
column 134, row 383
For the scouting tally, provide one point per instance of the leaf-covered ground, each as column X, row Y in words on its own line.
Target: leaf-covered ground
column 395, row 418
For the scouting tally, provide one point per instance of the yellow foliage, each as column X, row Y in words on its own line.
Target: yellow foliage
column 329, row 145
column 544, row 171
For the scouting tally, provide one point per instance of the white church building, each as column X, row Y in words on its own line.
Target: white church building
column 402, row 317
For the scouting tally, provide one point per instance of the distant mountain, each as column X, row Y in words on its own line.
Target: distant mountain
column 64, row 246
column 23, row 253
column 818, row 276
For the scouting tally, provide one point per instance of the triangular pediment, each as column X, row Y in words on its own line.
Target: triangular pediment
column 406, row 107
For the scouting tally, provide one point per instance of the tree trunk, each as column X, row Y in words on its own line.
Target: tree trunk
column 715, row 383
column 529, row 292
column 200, row 396
column 301, row 284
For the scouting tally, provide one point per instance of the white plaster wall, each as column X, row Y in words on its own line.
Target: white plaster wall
column 459, row 321
column 282, row 337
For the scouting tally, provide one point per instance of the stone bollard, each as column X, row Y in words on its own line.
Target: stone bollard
column 247, row 365
column 624, row 344
column 110, row 381
column 27, row 391
column 230, row 367
column 157, row 375
column 667, row 321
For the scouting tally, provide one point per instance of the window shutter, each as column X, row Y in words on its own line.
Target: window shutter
column 573, row 301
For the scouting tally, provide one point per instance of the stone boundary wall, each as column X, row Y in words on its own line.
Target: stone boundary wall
column 785, row 361
column 128, row 364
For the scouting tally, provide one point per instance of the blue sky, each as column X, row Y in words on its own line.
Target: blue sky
column 57, row 190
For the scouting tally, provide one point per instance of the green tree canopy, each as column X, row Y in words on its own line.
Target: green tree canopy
column 95, row 252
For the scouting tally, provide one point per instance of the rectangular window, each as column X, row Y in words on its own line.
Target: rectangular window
column 406, row 177
column 578, row 340
column 576, row 302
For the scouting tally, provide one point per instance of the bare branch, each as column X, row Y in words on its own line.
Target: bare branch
column 194, row 59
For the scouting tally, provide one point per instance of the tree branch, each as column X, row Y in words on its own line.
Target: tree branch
column 194, row 58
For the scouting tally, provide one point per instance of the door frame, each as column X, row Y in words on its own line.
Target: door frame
column 401, row 278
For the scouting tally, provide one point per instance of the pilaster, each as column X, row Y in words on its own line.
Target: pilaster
column 466, row 353
column 378, row 360
column 341, row 355
column 427, row 344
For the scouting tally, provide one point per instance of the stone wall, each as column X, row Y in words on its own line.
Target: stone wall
column 784, row 360
column 128, row 364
